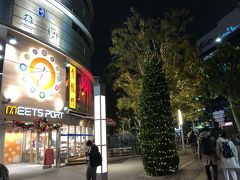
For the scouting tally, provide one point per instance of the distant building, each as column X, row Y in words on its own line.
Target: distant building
column 227, row 29
column 46, row 85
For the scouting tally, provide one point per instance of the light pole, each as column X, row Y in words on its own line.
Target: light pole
column 100, row 128
column 180, row 120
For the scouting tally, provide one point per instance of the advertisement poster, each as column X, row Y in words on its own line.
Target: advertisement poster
column 49, row 158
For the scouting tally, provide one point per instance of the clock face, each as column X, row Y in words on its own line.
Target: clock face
column 39, row 74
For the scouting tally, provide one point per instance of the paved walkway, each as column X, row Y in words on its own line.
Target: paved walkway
column 190, row 168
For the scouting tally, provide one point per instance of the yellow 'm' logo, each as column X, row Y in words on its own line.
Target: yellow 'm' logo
column 11, row 110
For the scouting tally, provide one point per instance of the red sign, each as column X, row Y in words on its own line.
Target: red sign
column 49, row 157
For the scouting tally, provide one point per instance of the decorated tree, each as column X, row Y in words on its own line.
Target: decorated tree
column 134, row 41
column 156, row 123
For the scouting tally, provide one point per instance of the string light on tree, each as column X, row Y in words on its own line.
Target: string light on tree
column 156, row 131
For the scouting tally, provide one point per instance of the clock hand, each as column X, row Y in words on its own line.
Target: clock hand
column 41, row 75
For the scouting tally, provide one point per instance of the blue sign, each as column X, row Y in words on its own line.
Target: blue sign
column 229, row 30
column 41, row 12
column 69, row 134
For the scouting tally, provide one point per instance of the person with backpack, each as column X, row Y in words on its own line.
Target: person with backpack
column 228, row 155
column 94, row 159
column 207, row 152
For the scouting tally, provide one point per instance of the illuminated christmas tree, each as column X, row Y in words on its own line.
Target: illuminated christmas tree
column 156, row 130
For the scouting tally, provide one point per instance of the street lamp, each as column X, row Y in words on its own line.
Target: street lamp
column 180, row 120
column 100, row 128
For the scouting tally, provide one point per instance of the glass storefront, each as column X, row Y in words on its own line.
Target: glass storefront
column 73, row 140
column 22, row 144
column 28, row 146
column 43, row 141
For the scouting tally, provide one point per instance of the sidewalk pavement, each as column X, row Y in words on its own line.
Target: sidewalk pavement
column 130, row 168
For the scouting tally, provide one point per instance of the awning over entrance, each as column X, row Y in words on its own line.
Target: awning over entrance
column 109, row 121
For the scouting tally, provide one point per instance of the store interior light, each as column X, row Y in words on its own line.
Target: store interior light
column 82, row 93
column 1, row 47
column 66, row 110
column 1, row 57
column 13, row 41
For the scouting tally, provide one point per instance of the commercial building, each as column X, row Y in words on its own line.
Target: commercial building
column 226, row 30
column 46, row 87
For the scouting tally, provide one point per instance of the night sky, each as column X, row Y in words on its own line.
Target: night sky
column 109, row 14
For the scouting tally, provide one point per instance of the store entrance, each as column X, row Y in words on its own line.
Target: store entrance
column 34, row 145
column 28, row 146
column 43, row 144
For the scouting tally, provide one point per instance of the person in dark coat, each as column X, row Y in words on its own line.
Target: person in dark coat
column 216, row 130
column 91, row 161
column 208, row 160
column 4, row 173
column 193, row 142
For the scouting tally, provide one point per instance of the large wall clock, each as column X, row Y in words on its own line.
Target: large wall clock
column 39, row 74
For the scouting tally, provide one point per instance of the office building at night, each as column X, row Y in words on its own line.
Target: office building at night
column 227, row 29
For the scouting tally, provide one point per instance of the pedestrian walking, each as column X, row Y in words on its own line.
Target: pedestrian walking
column 91, row 161
column 192, row 139
column 228, row 156
column 216, row 130
column 207, row 153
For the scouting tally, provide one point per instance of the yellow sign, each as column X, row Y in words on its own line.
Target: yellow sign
column 28, row 111
column 11, row 110
column 72, row 87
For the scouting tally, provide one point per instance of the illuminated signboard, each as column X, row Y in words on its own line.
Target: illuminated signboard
column 41, row 12
column 212, row 39
column 34, row 75
column 72, row 87
column 52, row 33
column 39, row 73
column 27, row 111
column 27, row 22
column 229, row 30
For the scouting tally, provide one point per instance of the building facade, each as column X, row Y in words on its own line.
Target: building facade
column 227, row 29
column 46, row 87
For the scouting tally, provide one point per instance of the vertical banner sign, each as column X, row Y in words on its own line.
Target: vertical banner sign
column 72, row 87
